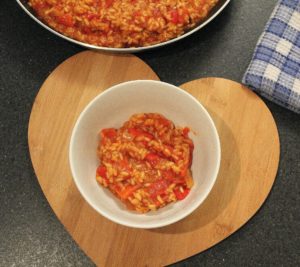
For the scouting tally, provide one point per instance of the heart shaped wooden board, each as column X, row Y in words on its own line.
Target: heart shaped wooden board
column 250, row 155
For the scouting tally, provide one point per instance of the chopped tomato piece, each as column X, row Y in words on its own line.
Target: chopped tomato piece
column 108, row 3
column 174, row 16
column 101, row 171
column 181, row 195
column 86, row 30
column 66, row 20
column 110, row 133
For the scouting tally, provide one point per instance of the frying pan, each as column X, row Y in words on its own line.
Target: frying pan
column 214, row 13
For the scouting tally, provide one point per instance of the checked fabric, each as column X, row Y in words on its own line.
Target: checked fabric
column 274, row 71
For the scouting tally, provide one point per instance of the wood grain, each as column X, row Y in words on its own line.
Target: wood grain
column 250, row 155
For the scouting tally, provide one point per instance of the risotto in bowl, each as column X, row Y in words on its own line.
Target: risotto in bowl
column 144, row 154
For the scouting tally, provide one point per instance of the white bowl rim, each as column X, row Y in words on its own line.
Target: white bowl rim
column 186, row 212
column 124, row 50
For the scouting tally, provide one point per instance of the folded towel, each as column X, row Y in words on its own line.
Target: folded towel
column 274, row 71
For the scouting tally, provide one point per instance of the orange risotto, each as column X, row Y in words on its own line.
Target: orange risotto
column 146, row 163
column 122, row 23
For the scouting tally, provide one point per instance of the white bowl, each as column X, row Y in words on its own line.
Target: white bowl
column 111, row 109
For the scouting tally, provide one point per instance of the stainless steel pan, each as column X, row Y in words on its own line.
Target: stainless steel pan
column 215, row 12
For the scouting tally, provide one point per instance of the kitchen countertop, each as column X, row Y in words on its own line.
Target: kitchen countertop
column 31, row 235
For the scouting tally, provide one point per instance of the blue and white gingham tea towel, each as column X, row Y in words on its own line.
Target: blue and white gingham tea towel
column 274, row 71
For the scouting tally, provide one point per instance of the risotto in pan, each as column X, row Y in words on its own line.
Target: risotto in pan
column 122, row 23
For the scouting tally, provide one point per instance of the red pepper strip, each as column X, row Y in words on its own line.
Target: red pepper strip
column 109, row 133
column 133, row 132
column 185, row 132
column 145, row 144
column 172, row 178
column 137, row 132
column 163, row 121
column 181, row 195
column 101, row 171
column 183, row 172
column 157, row 188
column 179, row 181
